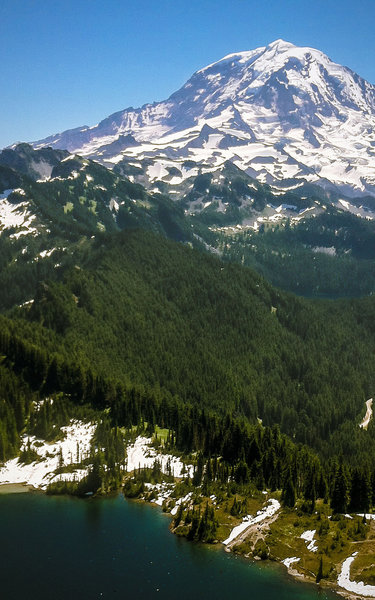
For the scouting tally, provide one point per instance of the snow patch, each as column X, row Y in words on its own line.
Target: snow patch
column 45, row 253
column 264, row 513
column 27, row 303
column 141, row 454
column 330, row 250
column 113, row 205
column 16, row 215
column 164, row 491
column 359, row 587
column 308, row 536
column 368, row 414
column 345, row 204
column 285, row 207
column 181, row 501
column 289, row 561
column 368, row 516
column 40, row 474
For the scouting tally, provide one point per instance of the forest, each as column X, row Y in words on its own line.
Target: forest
column 157, row 332
column 329, row 256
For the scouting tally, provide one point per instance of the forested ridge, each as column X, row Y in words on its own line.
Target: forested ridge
column 144, row 311
column 217, row 335
column 251, row 456
column 331, row 255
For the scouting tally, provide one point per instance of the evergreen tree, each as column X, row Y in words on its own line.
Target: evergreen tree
column 288, row 495
column 340, row 494
column 319, row 574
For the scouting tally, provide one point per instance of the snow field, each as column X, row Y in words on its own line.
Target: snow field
column 141, row 454
column 180, row 501
column 164, row 491
column 15, row 215
column 337, row 143
column 77, row 439
column 78, row 436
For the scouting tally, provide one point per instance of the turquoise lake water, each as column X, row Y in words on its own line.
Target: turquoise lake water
column 56, row 548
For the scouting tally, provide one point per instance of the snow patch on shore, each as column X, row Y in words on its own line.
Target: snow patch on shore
column 141, row 454
column 40, row 473
column 264, row 513
column 308, row 536
column 163, row 490
column 289, row 561
column 183, row 500
column 355, row 587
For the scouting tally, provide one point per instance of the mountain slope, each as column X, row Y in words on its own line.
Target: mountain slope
column 49, row 222
column 278, row 112
column 54, row 204
column 153, row 313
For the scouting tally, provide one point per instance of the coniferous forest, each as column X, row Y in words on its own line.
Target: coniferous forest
column 268, row 388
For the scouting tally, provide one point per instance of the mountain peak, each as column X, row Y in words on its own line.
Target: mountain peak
column 281, row 44
column 279, row 112
column 237, row 57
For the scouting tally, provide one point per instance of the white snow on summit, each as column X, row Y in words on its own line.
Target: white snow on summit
column 278, row 112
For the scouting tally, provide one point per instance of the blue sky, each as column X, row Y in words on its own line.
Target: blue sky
column 66, row 63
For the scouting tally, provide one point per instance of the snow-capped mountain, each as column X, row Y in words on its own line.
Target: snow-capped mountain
column 286, row 115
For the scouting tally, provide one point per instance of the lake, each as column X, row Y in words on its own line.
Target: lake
column 56, row 548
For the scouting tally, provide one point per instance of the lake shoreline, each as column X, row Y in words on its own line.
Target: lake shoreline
column 18, row 488
column 116, row 545
column 140, row 452
column 324, row 584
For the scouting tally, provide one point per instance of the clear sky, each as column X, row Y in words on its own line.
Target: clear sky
column 67, row 63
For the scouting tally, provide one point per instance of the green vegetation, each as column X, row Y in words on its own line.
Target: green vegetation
column 159, row 315
column 68, row 207
column 254, row 387
column 157, row 331
column 262, row 388
column 331, row 255
column 80, row 199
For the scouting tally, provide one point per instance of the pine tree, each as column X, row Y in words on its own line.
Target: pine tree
column 288, row 495
column 197, row 477
column 340, row 494
column 319, row 574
